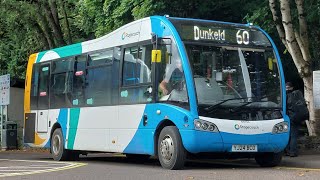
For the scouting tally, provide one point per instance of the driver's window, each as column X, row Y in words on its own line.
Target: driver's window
column 172, row 85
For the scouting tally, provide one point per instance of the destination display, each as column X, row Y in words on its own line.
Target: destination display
column 223, row 35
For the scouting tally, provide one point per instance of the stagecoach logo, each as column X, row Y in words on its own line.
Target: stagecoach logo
column 237, row 127
column 129, row 35
column 209, row 34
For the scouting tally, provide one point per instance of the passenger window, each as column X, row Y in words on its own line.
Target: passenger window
column 62, row 65
column 137, row 65
column 99, row 78
column 98, row 86
column 43, row 93
column 79, row 75
column 115, row 75
column 61, row 82
column 136, row 76
column 34, row 87
column 100, row 58
column 61, row 90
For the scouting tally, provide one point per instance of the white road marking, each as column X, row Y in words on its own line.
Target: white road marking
column 35, row 168
column 13, row 170
column 24, row 167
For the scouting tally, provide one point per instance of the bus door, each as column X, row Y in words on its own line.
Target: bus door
column 135, row 93
column 43, row 98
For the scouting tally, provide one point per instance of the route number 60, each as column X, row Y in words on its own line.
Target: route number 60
column 242, row 37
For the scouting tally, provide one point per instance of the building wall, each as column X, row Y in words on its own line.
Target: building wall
column 16, row 110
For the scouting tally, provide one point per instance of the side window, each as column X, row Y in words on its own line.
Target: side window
column 79, row 78
column 115, row 75
column 137, row 65
column 99, row 79
column 61, row 82
column 43, row 93
column 34, row 87
column 100, row 58
column 136, row 75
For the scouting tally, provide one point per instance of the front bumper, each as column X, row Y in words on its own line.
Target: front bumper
column 196, row 141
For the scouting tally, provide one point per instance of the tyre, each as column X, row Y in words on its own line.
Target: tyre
column 171, row 152
column 57, row 146
column 269, row 159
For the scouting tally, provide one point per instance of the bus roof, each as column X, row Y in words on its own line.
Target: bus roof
column 135, row 31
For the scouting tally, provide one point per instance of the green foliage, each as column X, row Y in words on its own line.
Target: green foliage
column 261, row 15
column 17, row 39
column 89, row 19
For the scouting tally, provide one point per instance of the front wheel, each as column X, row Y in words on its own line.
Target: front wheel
column 269, row 159
column 171, row 152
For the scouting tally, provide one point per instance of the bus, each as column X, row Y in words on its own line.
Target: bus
column 161, row 86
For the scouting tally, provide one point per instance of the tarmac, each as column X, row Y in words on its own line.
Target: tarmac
column 306, row 160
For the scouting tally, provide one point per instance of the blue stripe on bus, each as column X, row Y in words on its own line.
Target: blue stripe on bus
column 143, row 140
column 62, row 120
column 47, row 145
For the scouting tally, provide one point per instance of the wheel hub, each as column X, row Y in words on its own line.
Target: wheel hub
column 56, row 144
column 167, row 148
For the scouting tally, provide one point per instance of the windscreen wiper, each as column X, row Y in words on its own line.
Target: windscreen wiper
column 210, row 108
column 243, row 105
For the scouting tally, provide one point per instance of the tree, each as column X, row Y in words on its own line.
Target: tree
column 29, row 26
column 293, row 32
column 99, row 17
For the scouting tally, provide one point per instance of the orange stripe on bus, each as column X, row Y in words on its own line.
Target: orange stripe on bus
column 37, row 139
column 31, row 61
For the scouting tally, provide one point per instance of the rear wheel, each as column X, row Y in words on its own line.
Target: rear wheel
column 57, row 146
column 269, row 159
column 58, row 152
column 171, row 152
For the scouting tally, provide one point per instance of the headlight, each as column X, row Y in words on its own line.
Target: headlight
column 197, row 124
column 211, row 128
column 280, row 128
column 203, row 125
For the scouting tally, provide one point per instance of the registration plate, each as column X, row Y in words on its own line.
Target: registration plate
column 244, row 148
